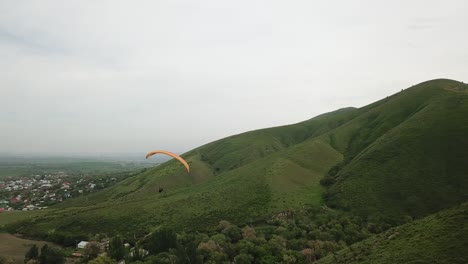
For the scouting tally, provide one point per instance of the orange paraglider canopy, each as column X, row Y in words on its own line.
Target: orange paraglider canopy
column 169, row 154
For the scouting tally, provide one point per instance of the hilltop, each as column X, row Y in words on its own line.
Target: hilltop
column 397, row 159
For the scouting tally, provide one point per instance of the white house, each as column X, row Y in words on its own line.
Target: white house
column 82, row 244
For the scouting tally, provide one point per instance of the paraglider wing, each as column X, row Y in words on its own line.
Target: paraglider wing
column 169, row 154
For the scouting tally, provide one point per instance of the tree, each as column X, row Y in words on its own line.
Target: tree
column 289, row 259
column 92, row 250
column 138, row 253
column 116, row 248
column 33, row 253
column 243, row 258
column 248, row 232
column 161, row 241
column 233, row 232
column 186, row 250
column 51, row 255
column 43, row 257
column 165, row 258
column 308, row 254
column 223, row 224
column 211, row 251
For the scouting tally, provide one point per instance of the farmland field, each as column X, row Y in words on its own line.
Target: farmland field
column 11, row 166
column 15, row 248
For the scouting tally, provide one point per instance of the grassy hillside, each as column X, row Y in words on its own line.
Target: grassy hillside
column 438, row 238
column 398, row 158
column 249, row 177
column 407, row 155
column 7, row 217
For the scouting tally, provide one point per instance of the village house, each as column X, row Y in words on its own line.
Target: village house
column 82, row 244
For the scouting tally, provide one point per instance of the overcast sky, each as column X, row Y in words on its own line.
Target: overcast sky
column 132, row 76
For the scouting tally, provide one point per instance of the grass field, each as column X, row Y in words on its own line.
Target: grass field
column 15, row 248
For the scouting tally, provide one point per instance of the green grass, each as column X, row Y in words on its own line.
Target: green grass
column 439, row 238
column 407, row 156
column 7, row 217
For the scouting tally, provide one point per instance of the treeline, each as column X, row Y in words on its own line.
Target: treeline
column 47, row 255
column 288, row 237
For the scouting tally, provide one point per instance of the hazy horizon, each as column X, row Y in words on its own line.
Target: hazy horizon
column 107, row 77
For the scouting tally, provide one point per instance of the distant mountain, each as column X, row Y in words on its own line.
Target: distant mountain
column 402, row 157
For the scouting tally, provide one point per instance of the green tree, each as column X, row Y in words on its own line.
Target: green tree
column 243, row 258
column 161, row 241
column 51, row 255
column 248, row 232
column 233, row 232
column 186, row 250
column 309, row 255
column 165, row 258
column 138, row 253
column 116, row 248
column 92, row 250
column 211, row 252
column 43, row 256
column 33, row 253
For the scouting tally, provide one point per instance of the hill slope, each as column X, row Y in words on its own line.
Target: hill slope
column 408, row 155
column 241, row 178
column 381, row 161
column 438, row 238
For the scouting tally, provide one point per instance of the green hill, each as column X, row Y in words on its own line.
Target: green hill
column 250, row 186
column 438, row 238
column 404, row 156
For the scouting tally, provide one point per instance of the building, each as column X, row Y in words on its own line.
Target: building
column 82, row 244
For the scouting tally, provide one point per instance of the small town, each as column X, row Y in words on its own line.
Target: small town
column 40, row 191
